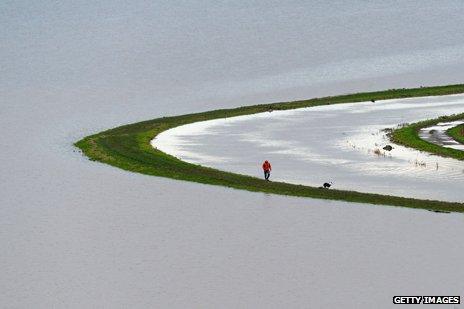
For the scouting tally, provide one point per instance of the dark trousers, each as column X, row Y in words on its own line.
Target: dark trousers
column 267, row 174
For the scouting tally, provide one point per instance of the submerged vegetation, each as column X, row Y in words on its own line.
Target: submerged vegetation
column 128, row 147
column 407, row 135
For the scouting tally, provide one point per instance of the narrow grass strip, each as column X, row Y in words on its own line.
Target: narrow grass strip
column 409, row 137
column 457, row 133
column 128, row 147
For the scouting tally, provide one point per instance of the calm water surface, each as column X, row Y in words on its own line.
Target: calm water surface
column 78, row 234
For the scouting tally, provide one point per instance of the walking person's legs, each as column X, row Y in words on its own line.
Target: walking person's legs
column 267, row 174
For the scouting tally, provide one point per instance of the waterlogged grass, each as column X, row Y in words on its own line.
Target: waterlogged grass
column 128, row 147
column 457, row 133
column 409, row 137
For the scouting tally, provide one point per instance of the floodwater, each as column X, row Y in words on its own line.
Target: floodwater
column 437, row 134
column 340, row 143
column 79, row 234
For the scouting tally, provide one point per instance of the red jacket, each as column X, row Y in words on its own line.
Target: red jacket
column 267, row 166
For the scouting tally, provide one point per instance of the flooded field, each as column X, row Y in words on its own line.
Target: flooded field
column 437, row 134
column 340, row 143
column 78, row 234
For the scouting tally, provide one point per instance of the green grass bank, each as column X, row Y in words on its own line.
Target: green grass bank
column 408, row 136
column 128, row 147
column 457, row 133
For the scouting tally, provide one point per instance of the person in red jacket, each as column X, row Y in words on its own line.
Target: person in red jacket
column 267, row 168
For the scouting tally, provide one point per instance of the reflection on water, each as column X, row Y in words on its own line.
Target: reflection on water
column 341, row 143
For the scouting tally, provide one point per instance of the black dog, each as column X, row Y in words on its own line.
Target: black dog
column 327, row 185
column 388, row 148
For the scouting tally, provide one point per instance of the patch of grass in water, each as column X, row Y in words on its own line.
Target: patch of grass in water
column 409, row 137
column 457, row 133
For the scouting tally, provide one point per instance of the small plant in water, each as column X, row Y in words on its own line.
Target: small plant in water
column 402, row 125
column 378, row 152
column 420, row 163
column 387, row 130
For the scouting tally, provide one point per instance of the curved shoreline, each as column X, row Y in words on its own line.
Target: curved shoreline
column 438, row 134
column 409, row 136
column 128, row 147
column 340, row 143
column 456, row 133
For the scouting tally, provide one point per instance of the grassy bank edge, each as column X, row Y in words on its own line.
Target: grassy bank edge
column 128, row 147
column 456, row 133
column 408, row 136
